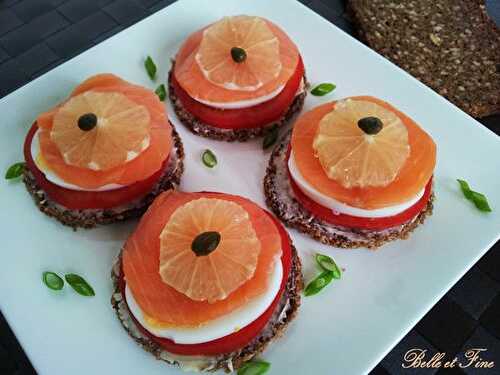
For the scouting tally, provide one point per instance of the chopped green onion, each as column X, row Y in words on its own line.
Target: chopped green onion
column 150, row 68
column 316, row 285
column 52, row 280
column 79, row 284
column 479, row 200
column 328, row 264
column 161, row 92
column 270, row 138
column 255, row 367
column 15, row 170
column 209, row 158
column 323, row 89
column 465, row 189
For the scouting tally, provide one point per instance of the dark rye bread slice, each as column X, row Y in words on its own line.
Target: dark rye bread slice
column 89, row 218
column 285, row 312
column 450, row 45
column 241, row 135
column 281, row 199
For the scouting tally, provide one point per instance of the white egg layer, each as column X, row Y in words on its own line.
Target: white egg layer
column 250, row 102
column 217, row 328
column 341, row 208
column 54, row 178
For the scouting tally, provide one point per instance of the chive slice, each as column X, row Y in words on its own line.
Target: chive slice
column 79, row 284
column 323, row 89
column 150, row 68
column 328, row 264
column 52, row 280
column 209, row 158
column 479, row 200
column 254, row 367
column 465, row 189
column 270, row 138
column 15, row 170
column 161, row 92
column 318, row 283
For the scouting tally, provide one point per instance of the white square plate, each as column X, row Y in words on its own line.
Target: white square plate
column 353, row 323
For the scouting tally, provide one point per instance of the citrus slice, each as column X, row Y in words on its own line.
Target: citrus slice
column 100, row 131
column 146, row 164
column 163, row 303
column 228, row 263
column 193, row 80
column 239, row 53
column 361, row 144
column 410, row 180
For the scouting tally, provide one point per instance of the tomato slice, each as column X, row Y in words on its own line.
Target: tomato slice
column 357, row 222
column 237, row 340
column 78, row 200
column 244, row 118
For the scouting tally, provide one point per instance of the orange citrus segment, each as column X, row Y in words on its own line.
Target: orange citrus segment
column 142, row 166
column 192, row 79
column 260, row 62
column 354, row 158
column 163, row 303
column 410, row 180
column 214, row 276
column 120, row 135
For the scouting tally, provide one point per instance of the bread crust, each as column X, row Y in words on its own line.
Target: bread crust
column 451, row 46
column 285, row 312
column 89, row 218
column 229, row 135
column 281, row 199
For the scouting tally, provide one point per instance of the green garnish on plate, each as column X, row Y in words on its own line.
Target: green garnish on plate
column 479, row 200
column 209, row 158
column 318, row 283
column 79, row 284
column 323, row 89
column 150, row 68
column 328, row 264
column 161, row 92
column 15, row 170
column 52, row 280
column 254, row 367
column 330, row 271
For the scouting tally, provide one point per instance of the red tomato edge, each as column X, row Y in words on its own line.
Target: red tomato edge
column 77, row 200
column 357, row 222
column 234, row 341
column 244, row 118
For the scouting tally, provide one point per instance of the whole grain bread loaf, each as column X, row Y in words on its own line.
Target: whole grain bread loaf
column 450, row 45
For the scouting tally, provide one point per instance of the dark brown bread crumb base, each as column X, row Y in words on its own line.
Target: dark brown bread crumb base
column 90, row 218
column 199, row 128
column 280, row 198
column 285, row 312
column 453, row 46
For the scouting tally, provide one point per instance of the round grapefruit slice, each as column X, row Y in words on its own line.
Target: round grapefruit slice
column 100, row 131
column 206, row 70
column 361, row 144
column 239, row 53
column 228, row 262
column 164, row 304
column 411, row 178
column 142, row 166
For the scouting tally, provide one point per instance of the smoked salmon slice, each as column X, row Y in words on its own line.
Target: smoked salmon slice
column 191, row 78
column 163, row 304
column 410, row 180
column 143, row 166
